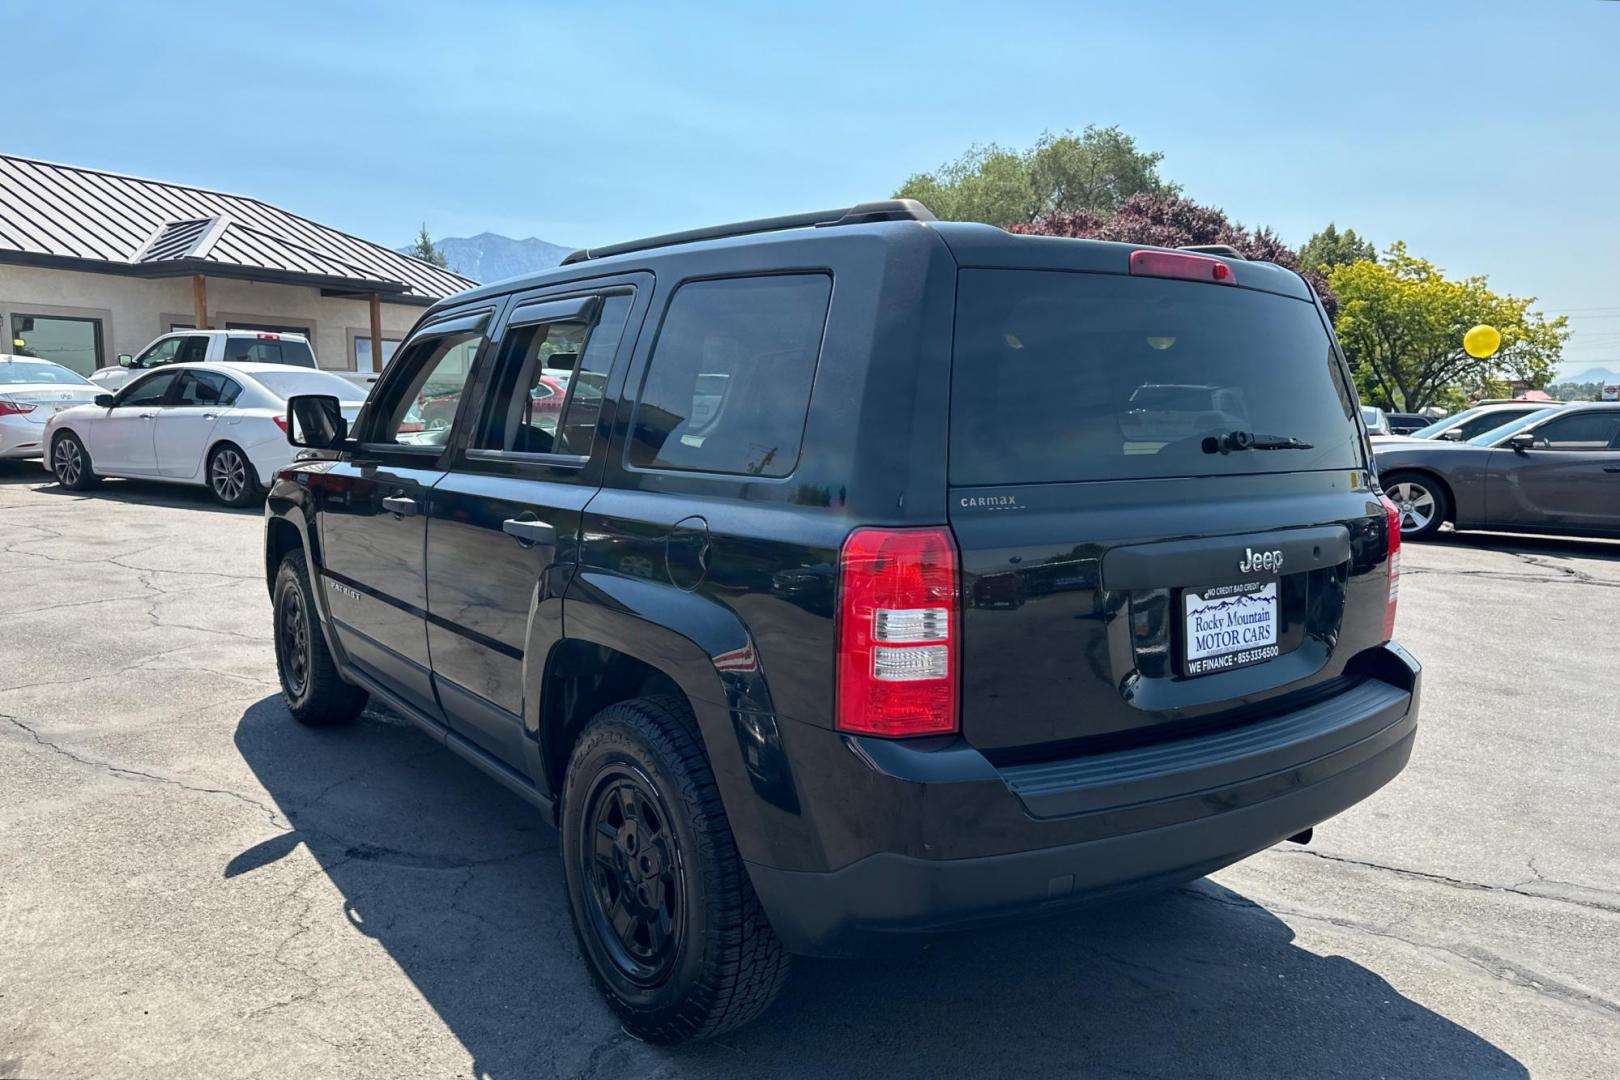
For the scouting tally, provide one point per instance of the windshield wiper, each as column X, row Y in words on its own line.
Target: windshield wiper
column 1249, row 440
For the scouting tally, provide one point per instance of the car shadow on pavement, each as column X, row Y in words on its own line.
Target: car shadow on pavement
column 460, row 882
column 145, row 492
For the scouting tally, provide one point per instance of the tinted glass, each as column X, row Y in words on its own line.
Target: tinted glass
column 14, row 374
column 149, row 390
column 422, row 411
column 284, row 384
column 577, row 428
column 1478, row 425
column 1068, row 376
column 206, row 388
column 1583, row 431
column 193, row 350
column 269, row 351
column 728, row 386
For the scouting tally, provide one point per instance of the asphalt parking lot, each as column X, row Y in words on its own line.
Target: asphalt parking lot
column 192, row 885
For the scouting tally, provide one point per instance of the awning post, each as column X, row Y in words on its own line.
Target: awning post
column 376, row 333
column 199, row 301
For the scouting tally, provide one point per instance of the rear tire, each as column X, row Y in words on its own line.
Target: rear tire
column 315, row 693
column 665, row 914
column 231, row 476
column 70, row 461
column 1423, row 504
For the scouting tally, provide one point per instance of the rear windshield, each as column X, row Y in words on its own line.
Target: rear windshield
column 269, row 351
column 284, row 384
column 14, row 374
column 1070, row 376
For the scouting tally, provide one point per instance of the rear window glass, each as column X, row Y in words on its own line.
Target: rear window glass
column 269, row 351
column 284, row 384
column 1068, row 376
column 13, row 373
column 728, row 386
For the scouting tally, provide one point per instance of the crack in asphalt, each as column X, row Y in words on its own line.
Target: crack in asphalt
column 142, row 776
column 1516, row 889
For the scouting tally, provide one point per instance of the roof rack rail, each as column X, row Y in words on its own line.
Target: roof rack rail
column 859, row 214
column 1224, row 250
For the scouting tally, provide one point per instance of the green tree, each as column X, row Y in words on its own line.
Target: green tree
column 1402, row 323
column 425, row 249
column 1094, row 171
column 1330, row 248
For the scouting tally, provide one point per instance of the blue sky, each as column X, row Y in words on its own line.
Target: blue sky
column 1484, row 134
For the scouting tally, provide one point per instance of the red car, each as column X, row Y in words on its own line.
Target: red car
column 545, row 397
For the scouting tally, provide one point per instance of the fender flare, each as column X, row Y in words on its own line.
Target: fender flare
column 707, row 651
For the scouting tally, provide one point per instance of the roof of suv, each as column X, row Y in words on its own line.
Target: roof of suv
column 895, row 220
column 290, row 334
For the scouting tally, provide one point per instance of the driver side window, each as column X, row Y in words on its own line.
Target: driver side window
column 1584, row 431
column 149, row 391
column 421, row 411
column 159, row 353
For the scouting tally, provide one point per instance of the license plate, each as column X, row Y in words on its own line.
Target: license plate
column 1229, row 626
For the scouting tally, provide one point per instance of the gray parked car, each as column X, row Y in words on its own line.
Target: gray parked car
column 1556, row 470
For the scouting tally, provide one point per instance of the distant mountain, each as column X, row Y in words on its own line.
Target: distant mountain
column 491, row 256
column 1595, row 375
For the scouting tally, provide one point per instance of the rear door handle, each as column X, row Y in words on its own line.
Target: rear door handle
column 401, row 505
column 1611, row 468
column 529, row 531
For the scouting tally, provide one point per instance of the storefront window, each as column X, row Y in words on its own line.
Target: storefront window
column 72, row 342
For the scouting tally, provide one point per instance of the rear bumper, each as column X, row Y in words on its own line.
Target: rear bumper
column 1149, row 819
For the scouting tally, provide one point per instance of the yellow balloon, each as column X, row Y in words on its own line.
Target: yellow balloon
column 1482, row 341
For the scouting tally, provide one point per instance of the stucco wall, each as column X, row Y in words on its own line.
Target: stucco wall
column 136, row 310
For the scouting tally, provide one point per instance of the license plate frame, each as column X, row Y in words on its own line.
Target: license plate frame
column 1226, row 627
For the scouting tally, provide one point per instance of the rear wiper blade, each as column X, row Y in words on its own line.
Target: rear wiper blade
column 1249, row 440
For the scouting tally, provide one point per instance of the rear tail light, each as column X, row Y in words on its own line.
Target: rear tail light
column 1392, row 526
column 15, row 408
column 1174, row 264
column 268, row 337
column 281, row 422
column 899, row 632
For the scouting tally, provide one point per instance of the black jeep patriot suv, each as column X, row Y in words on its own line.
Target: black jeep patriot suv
column 842, row 578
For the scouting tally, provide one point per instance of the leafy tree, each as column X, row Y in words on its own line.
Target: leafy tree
column 424, row 248
column 1173, row 220
column 1094, row 171
column 1330, row 248
column 1574, row 391
column 1402, row 323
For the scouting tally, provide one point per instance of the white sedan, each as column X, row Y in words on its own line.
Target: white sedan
column 221, row 425
column 31, row 391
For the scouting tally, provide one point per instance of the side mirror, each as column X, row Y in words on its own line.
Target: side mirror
column 1522, row 441
column 104, row 401
column 126, row 360
column 315, row 421
column 1452, row 435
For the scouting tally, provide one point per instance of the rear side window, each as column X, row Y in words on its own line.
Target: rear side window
column 1070, row 376
column 269, row 350
column 728, row 386
column 194, row 350
column 199, row 387
column 548, row 392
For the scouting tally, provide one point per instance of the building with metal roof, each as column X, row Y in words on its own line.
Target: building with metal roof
column 94, row 264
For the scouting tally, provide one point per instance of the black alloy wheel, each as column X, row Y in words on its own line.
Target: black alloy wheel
column 292, row 639
column 631, row 857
